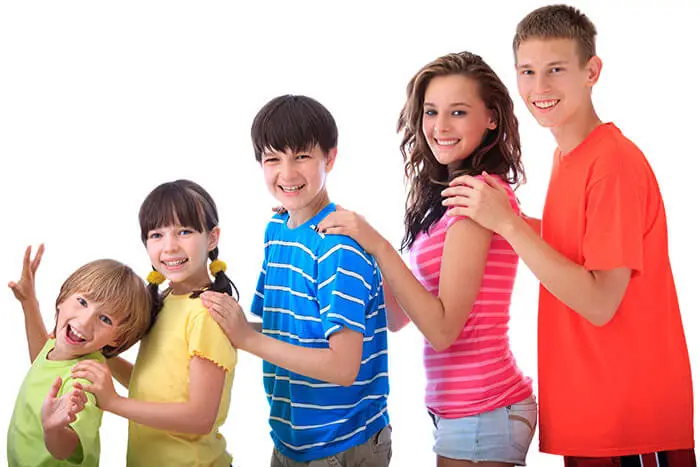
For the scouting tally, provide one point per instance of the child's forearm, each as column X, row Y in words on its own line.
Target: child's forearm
column 182, row 417
column 34, row 327
column 328, row 365
column 121, row 370
column 61, row 442
column 395, row 316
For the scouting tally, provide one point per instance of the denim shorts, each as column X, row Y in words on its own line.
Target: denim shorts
column 501, row 435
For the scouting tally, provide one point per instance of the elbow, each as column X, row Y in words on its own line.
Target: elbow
column 396, row 326
column 600, row 316
column 203, row 426
column 442, row 342
column 348, row 377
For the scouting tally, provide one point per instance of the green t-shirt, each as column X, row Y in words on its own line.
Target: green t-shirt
column 25, row 436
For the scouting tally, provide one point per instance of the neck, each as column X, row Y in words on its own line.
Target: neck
column 196, row 282
column 572, row 133
column 56, row 354
column 297, row 218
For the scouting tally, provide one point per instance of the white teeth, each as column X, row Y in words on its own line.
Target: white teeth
column 175, row 262
column 291, row 189
column 545, row 104
column 74, row 333
column 447, row 142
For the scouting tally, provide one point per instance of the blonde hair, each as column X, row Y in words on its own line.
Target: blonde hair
column 120, row 292
column 558, row 22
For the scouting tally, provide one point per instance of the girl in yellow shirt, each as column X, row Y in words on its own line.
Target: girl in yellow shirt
column 180, row 385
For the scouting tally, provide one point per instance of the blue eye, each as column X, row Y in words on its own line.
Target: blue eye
column 430, row 112
column 557, row 69
column 154, row 235
column 82, row 302
column 527, row 72
column 459, row 113
column 303, row 156
column 105, row 319
column 185, row 232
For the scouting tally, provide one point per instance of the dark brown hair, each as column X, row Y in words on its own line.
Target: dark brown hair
column 558, row 22
column 120, row 292
column 185, row 203
column 295, row 123
column 498, row 154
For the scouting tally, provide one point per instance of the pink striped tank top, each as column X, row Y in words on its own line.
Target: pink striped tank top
column 477, row 373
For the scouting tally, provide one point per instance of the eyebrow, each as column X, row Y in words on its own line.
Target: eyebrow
column 554, row 63
column 454, row 104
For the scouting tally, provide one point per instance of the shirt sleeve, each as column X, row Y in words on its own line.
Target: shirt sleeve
column 205, row 339
column 614, row 225
column 86, row 426
column 345, row 278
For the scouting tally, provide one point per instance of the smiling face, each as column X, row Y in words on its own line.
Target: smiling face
column 180, row 254
column 297, row 180
column 83, row 326
column 455, row 118
column 553, row 82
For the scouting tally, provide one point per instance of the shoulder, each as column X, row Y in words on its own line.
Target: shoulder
column 344, row 248
column 615, row 154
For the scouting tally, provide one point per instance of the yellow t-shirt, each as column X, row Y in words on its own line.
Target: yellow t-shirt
column 182, row 330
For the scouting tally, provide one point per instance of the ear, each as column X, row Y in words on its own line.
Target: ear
column 213, row 238
column 593, row 69
column 493, row 121
column 330, row 159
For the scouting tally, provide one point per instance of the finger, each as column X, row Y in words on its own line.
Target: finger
column 460, row 190
column 87, row 365
column 459, row 211
column 493, row 182
column 12, row 285
column 457, row 201
column 37, row 258
column 338, row 207
column 335, row 231
column 26, row 261
column 55, row 387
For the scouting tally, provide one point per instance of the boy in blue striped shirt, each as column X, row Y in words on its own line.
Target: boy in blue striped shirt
column 324, row 328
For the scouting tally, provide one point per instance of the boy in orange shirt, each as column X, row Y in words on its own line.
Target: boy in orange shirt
column 614, row 374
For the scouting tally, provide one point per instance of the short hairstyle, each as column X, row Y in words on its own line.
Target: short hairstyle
column 295, row 123
column 558, row 22
column 119, row 292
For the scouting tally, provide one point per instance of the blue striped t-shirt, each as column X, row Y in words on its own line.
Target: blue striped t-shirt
column 312, row 285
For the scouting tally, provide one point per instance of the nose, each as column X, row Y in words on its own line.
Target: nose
column 170, row 242
column 442, row 122
column 541, row 83
column 287, row 169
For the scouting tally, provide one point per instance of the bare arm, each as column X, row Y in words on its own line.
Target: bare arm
column 441, row 319
column 395, row 316
column 338, row 364
column 534, row 223
column 121, row 370
column 196, row 416
column 595, row 295
column 25, row 292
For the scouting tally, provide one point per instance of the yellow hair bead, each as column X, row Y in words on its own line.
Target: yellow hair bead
column 155, row 277
column 216, row 267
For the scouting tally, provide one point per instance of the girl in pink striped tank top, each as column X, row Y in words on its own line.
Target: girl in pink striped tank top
column 458, row 119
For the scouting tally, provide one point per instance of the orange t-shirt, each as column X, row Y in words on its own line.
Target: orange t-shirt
column 623, row 388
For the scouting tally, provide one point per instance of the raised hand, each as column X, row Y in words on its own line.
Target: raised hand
column 100, row 378
column 24, row 289
column 59, row 412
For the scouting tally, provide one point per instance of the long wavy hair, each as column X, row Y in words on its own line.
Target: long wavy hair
column 498, row 154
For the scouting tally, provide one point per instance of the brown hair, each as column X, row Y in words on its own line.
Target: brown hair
column 498, row 154
column 186, row 203
column 120, row 292
column 558, row 22
column 295, row 123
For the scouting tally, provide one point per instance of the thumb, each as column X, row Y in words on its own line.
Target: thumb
column 492, row 181
column 338, row 207
column 12, row 285
column 55, row 387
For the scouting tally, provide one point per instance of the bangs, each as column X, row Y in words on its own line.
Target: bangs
column 171, row 204
column 294, row 123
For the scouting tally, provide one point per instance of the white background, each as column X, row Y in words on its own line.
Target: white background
column 100, row 102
